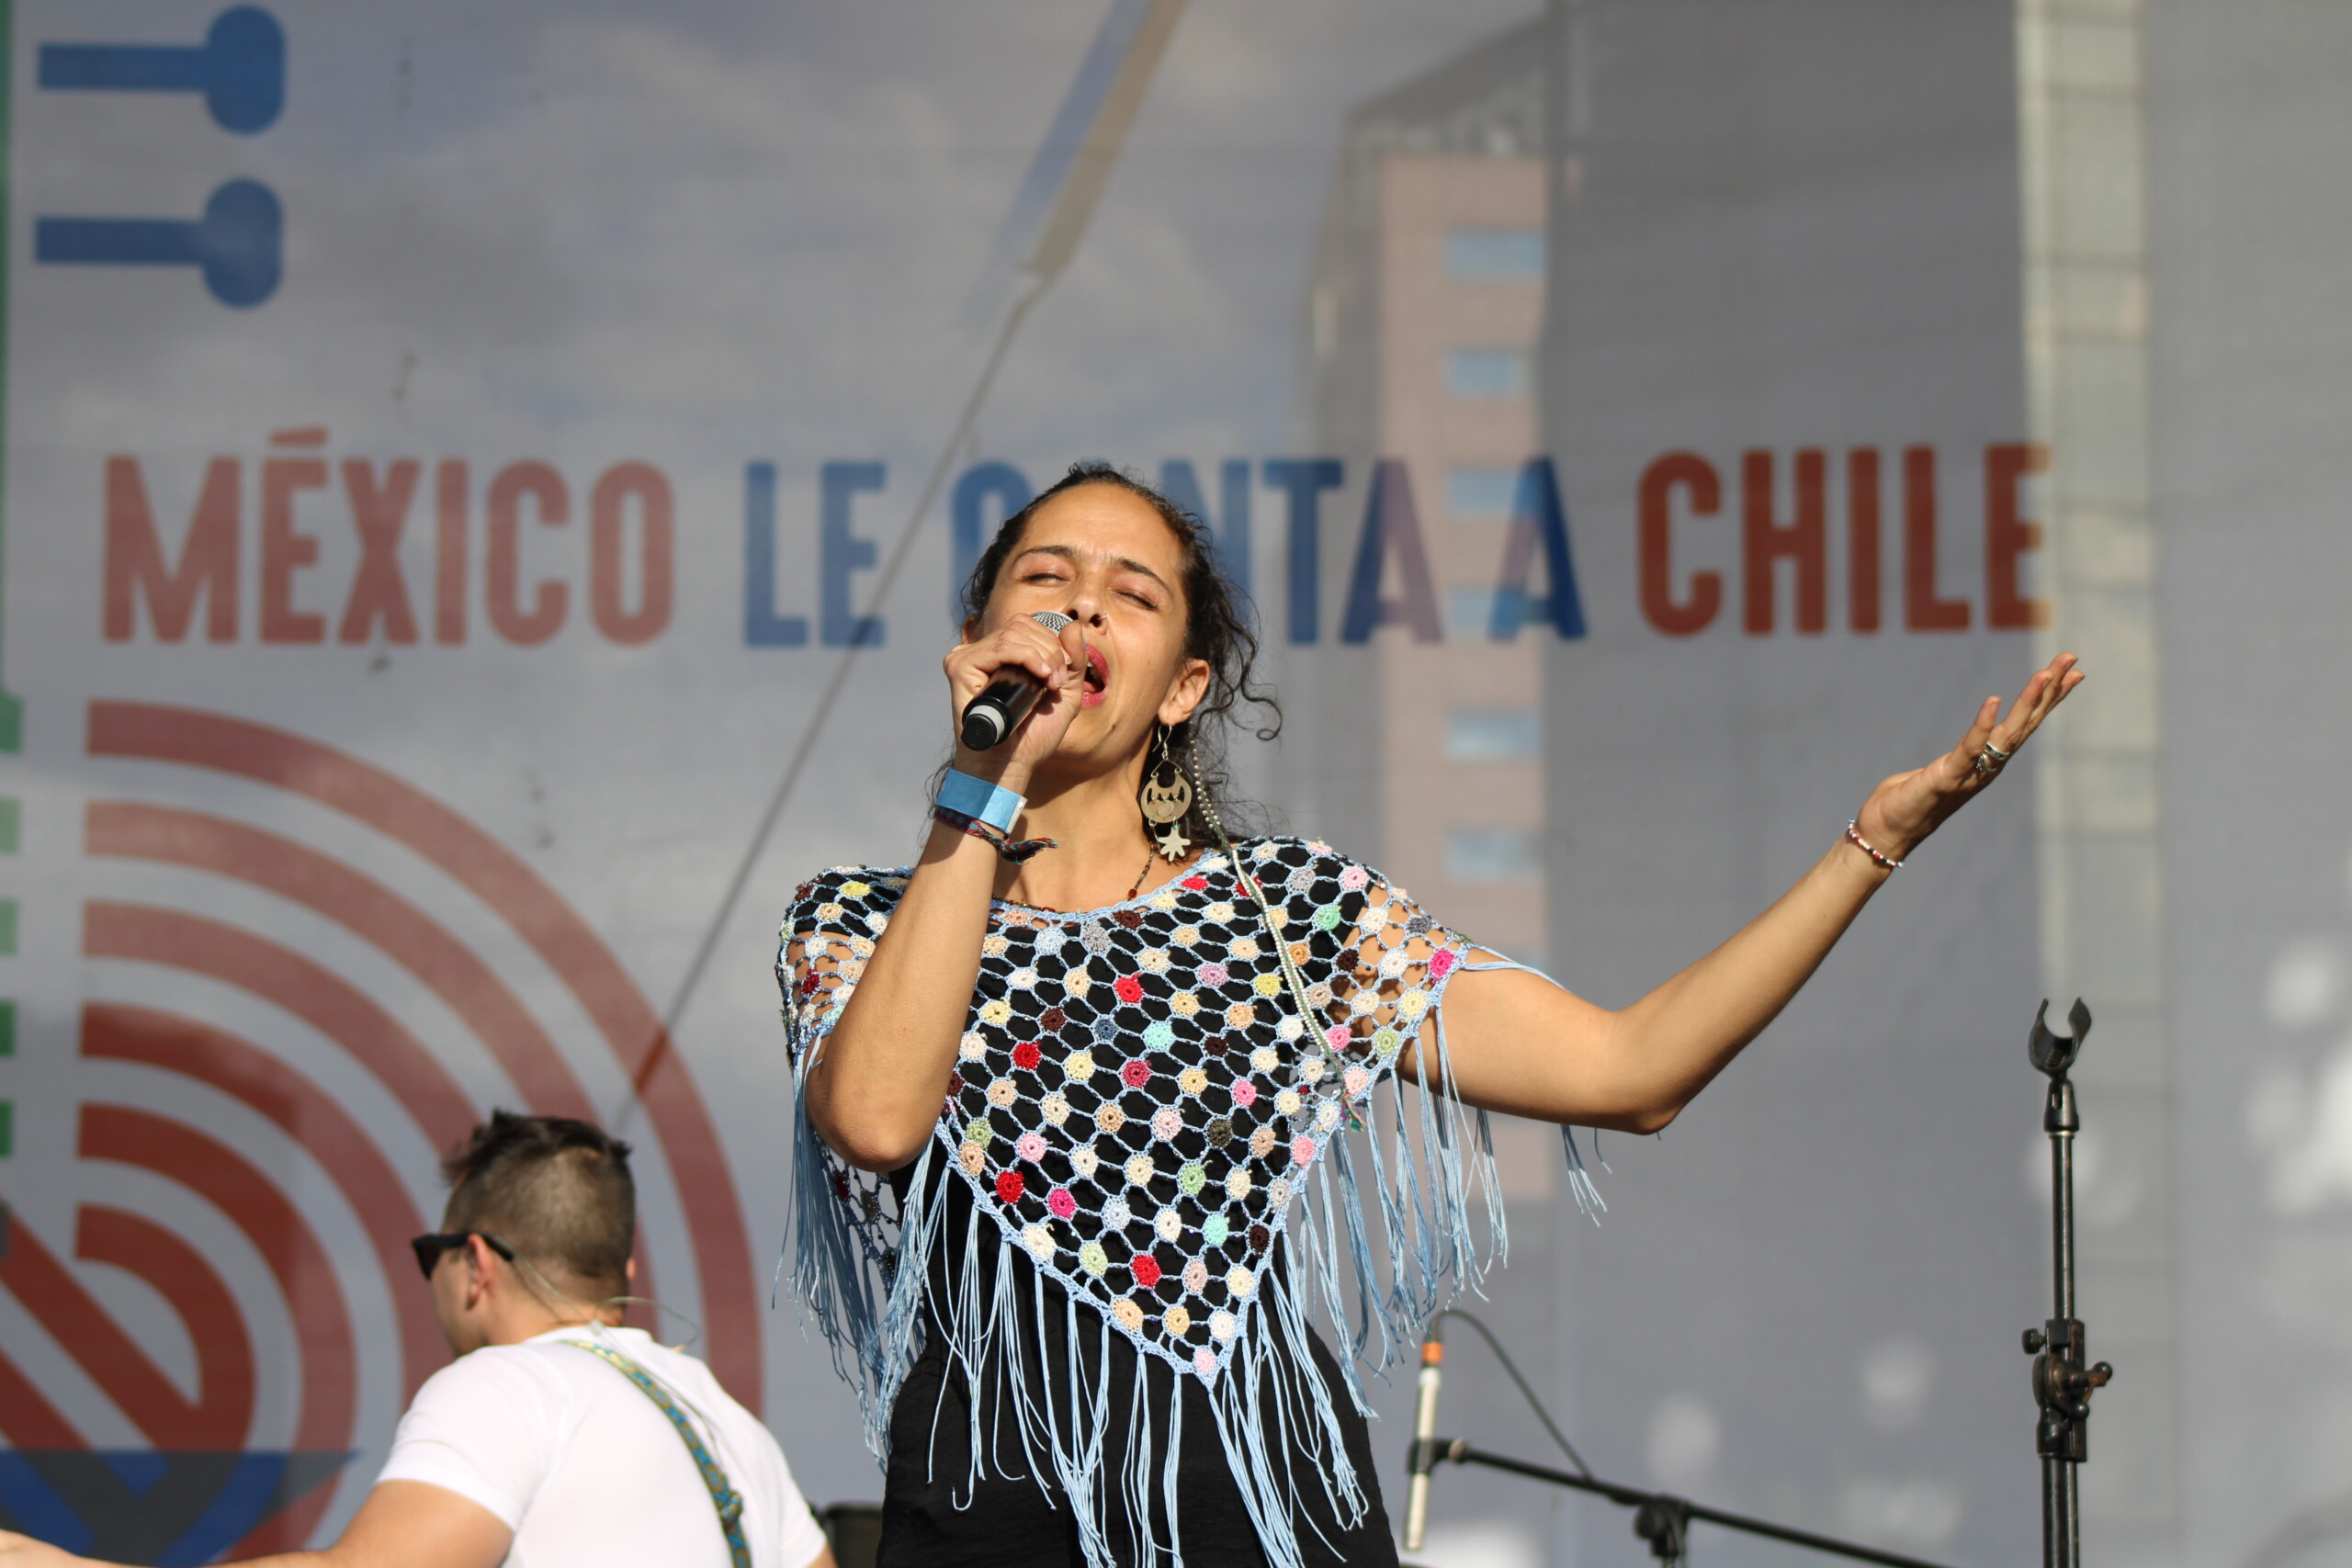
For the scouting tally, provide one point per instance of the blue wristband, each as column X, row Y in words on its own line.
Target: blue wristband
column 979, row 800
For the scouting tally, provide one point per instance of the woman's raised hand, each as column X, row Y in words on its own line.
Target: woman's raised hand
column 1906, row 808
column 1022, row 643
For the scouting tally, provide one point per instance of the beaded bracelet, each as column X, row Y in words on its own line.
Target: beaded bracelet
column 1017, row 851
column 1854, row 836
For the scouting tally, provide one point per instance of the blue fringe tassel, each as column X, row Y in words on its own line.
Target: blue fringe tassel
column 1430, row 1173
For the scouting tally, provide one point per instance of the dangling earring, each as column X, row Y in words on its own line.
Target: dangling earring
column 1166, row 798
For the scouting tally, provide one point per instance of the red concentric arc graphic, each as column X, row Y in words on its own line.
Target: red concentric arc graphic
column 223, row 1406
column 475, row 861
column 377, row 915
column 222, row 1413
column 276, row 974
column 453, row 972
column 323, row 1129
column 305, row 1276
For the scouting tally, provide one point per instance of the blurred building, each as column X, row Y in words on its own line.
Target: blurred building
column 1424, row 319
column 1423, row 357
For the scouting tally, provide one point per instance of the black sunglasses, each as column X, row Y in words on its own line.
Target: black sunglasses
column 429, row 1249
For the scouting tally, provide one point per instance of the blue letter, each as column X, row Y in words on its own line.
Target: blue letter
column 1180, row 485
column 1390, row 523
column 1305, row 480
column 1537, row 510
column 1005, row 485
column 763, row 627
column 840, row 554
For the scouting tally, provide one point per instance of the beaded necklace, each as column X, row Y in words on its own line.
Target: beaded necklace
column 1132, row 888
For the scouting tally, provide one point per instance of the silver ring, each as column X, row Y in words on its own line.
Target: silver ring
column 1989, row 760
column 1997, row 755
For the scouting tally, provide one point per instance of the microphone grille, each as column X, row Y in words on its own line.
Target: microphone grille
column 1049, row 620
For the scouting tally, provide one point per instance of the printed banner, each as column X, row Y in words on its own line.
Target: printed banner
column 485, row 489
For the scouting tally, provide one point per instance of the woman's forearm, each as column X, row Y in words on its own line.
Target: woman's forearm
column 1519, row 1044
column 1523, row 1046
column 874, row 1089
column 1673, row 1043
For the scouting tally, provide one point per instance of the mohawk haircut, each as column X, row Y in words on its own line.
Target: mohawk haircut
column 555, row 1189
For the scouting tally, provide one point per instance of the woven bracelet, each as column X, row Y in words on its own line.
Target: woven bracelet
column 1017, row 851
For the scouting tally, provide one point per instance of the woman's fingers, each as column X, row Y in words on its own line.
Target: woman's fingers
column 1906, row 808
column 1034, row 649
column 2044, row 693
column 1018, row 644
column 1962, row 757
column 2014, row 725
column 1072, row 640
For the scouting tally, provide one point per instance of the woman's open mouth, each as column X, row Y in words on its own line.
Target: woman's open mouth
column 1097, row 678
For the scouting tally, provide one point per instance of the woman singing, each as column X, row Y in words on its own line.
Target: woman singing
column 1100, row 1106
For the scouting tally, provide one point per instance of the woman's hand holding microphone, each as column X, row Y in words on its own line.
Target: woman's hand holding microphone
column 1057, row 662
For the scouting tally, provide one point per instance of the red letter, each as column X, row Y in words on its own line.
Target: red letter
column 1922, row 611
column 449, row 552
column 377, row 588
column 652, row 491
column 1658, row 483
column 506, row 491
column 284, row 551
column 1861, row 538
column 135, row 557
column 1764, row 541
column 2008, row 536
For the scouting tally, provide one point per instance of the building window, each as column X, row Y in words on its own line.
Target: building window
column 1494, row 854
column 1480, row 489
column 1485, row 373
column 1469, row 613
column 1486, row 255
column 1493, row 735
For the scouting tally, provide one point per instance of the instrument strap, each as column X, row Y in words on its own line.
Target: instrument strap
column 723, row 1495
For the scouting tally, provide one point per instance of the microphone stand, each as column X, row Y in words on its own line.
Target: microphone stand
column 2062, row 1380
column 1660, row 1519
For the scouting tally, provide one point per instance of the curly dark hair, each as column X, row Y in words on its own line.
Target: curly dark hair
column 1220, row 628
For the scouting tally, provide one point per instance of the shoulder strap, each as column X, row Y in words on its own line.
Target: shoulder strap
column 723, row 1497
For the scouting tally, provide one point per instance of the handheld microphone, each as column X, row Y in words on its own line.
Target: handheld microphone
column 991, row 718
column 1424, row 1456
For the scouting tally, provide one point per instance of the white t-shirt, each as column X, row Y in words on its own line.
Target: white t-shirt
column 584, row 1467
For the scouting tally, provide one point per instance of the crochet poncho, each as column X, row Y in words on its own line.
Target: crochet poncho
column 1190, row 1136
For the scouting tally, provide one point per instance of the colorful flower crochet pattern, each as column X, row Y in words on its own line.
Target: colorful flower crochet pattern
column 1145, row 1098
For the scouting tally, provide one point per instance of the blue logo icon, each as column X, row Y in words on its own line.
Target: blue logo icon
column 238, row 243
column 239, row 69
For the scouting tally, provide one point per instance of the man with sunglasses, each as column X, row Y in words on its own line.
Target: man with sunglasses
column 557, row 1438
